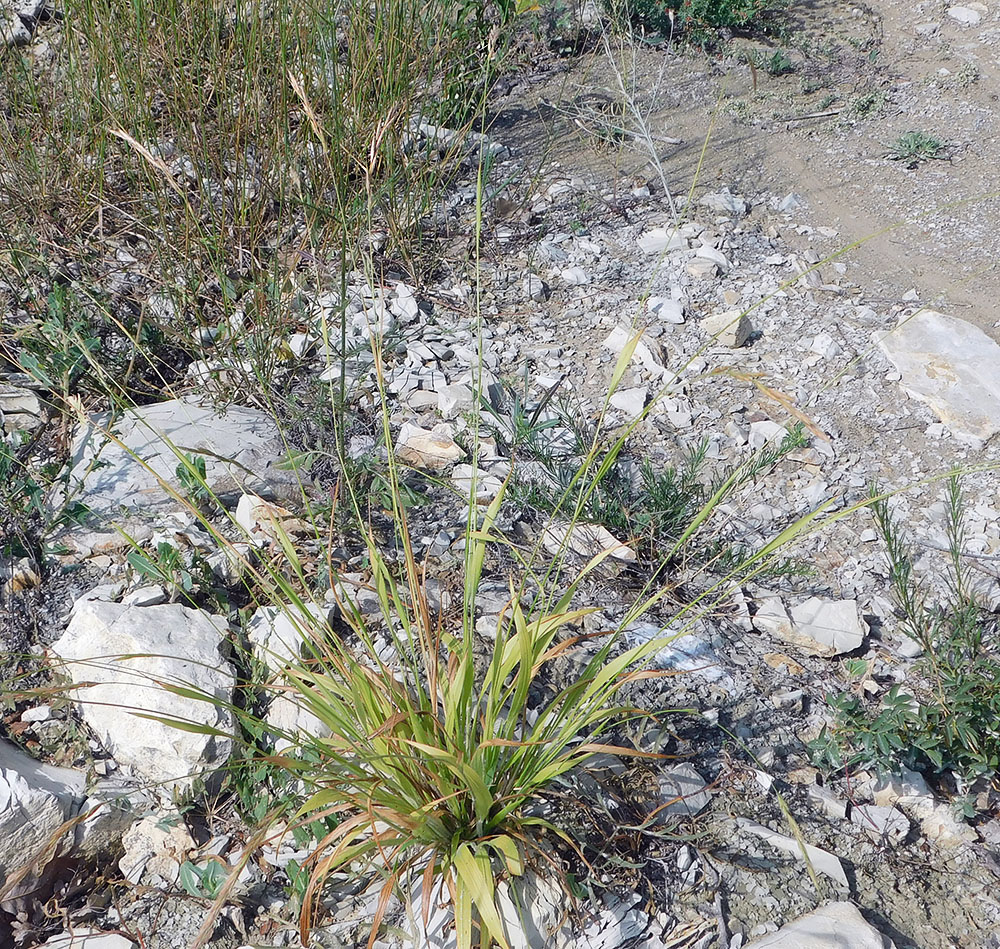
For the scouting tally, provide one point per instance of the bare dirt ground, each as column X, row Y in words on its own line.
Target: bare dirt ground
column 863, row 75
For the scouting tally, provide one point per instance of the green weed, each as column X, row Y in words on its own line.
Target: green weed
column 945, row 717
column 915, row 147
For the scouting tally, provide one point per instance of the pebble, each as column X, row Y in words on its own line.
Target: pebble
column 660, row 240
column 730, row 328
column 965, row 15
column 666, row 310
column 535, row 288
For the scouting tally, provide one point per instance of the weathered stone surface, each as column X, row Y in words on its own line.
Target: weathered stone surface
column 168, row 644
column 647, row 350
column 818, row 627
column 155, row 847
column 20, row 409
column 35, row 799
column 88, row 939
column 730, row 328
column 952, row 366
column 426, row 449
column 722, row 202
column 289, row 717
column 587, row 540
column 279, row 632
column 683, row 792
column 820, row 860
column 661, row 239
column 630, row 401
column 835, row 926
column 111, row 808
column 240, row 447
column 831, row 623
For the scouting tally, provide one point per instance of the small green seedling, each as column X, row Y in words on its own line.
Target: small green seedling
column 206, row 881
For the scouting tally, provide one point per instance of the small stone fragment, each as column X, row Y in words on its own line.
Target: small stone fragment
column 835, row 624
column 631, row 402
column 425, row 449
column 666, row 310
column 965, row 15
column 722, row 202
column 535, row 288
column 730, row 328
column 587, row 540
column 683, row 792
column 660, row 239
column 710, row 253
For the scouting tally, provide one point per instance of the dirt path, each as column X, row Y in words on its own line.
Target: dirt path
column 863, row 76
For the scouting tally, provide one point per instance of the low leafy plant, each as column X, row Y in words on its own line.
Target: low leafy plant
column 191, row 474
column 945, row 717
column 653, row 505
column 868, row 103
column 534, row 427
column 775, row 64
column 915, row 147
column 59, row 350
column 203, row 881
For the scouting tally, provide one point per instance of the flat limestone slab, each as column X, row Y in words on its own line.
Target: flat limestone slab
column 952, row 366
column 834, row 926
column 122, row 475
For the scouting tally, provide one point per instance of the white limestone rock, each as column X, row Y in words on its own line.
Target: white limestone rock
column 88, row 939
column 426, row 449
column 280, row 634
column 587, row 540
column 487, row 485
column 647, row 350
column 20, row 409
column 817, row 627
column 968, row 16
column 240, row 447
column 834, row 926
column 289, row 718
column 35, row 800
column 124, row 651
column 660, row 240
column 722, row 202
column 666, row 310
column 155, row 848
column 821, row 861
column 952, row 366
column 683, row 792
column 833, row 624
column 631, row 402
column 455, row 399
column 730, row 328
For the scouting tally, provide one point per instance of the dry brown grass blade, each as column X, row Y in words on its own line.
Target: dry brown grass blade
column 147, row 156
column 208, row 926
column 299, row 89
column 785, row 401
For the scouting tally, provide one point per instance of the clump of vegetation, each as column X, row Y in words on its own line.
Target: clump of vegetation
column 867, row 104
column 775, row 64
column 915, row 147
column 945, row 718
column 699, row 19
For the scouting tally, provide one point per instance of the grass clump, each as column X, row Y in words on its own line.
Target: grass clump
column 945, row 717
